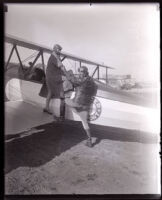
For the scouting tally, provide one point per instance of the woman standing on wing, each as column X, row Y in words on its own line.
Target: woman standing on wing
column 54, row 77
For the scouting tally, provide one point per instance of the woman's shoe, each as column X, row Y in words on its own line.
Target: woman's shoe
column 47, row 111
column 59, row 119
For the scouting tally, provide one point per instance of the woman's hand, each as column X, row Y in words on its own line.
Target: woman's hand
column 54, row 54
column 59, row 63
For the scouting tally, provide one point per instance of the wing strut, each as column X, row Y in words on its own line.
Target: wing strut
column 107, row 81
column 30, row 68
column 98, row 72
column 19, row 58
column 63, row 58
column 43, row 61
column 9, row 58
column 17, row 53
column 95, row 71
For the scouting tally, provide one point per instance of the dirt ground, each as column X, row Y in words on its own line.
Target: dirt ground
column 56, row 161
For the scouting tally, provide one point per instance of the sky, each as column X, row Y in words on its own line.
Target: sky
column 123, row 36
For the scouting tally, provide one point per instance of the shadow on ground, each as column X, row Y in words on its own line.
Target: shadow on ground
column 39, row 148
column 123, row 135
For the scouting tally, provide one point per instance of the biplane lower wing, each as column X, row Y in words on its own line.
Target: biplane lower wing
column 21, row 116
column 104, row 111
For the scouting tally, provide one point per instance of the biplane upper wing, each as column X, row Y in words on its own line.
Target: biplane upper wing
column 23, row 43
column 30, row 45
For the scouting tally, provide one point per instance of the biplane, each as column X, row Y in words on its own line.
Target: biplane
column 111, row 107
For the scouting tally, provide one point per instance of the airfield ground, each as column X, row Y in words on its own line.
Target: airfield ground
column 56, row 161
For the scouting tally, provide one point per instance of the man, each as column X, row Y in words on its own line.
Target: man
column 54, row 77
column 85, row 90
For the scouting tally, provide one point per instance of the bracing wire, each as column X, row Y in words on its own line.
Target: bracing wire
column 73, row 66
column 29, row 57
column 70, row 63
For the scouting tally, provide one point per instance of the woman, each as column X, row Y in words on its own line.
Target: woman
column 54, row 77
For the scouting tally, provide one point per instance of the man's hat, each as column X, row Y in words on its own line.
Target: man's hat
column 84, row 69
column 57, row 46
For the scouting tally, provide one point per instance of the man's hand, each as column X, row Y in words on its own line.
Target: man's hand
column 63, row 68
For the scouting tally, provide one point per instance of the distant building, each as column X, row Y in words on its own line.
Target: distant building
column 119, row 81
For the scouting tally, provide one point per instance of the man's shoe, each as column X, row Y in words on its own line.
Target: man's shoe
column 55, row 118
column 89, row 142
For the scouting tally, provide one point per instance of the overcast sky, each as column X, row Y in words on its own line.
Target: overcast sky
column 124, row 36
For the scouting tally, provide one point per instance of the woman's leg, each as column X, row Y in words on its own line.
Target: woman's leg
column 49, row 96
column 62, row 109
